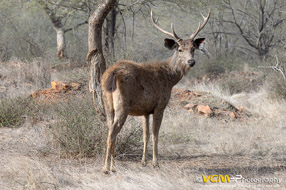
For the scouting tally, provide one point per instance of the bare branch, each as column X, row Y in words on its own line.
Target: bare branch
column 257, row 22
column 76, row 26
column 276, row 68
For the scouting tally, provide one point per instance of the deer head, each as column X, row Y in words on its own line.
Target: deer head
column 183, row 58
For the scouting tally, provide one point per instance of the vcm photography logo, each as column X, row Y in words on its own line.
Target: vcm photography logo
column 236, row 179
column 216, row 178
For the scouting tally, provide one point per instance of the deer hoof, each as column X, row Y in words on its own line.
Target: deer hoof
column 113, row 170
column 156, row 165
column 144, row 163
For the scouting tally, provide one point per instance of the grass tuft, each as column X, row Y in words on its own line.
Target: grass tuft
column 79, row 132
column 13, row 112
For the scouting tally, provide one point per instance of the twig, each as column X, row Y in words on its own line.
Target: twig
column 78, row 25
column 276, row 68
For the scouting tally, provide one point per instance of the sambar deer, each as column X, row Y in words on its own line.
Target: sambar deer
column 141, row 89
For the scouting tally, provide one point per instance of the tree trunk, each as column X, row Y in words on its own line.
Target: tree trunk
column 110, row 31
column 95, row 57
column 61, row 45
column 58, row 27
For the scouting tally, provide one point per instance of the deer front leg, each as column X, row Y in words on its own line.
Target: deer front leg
column 157, row 119
column 146, row 136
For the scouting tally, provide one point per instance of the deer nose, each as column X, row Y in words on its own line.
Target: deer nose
column 191, row 62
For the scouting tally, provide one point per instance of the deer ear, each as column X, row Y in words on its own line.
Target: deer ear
column 199, row 42
column 170, row 44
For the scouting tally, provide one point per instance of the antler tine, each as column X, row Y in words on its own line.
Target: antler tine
column 174, row 35
column 200, row 27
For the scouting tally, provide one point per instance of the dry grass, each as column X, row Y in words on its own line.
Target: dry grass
column 13, row 112
column 190, row 146
column 214, row 147
column 79, row 132
column 22, row 78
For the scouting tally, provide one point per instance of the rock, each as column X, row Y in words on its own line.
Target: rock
column 197, row 94
column 205, row 110
column 225, row 114
column 40, row 93
column 59, row 90
column 209, row 105
column 75, row 86
column 61, row 86
column 190, row 106
column 232, row 115
column 58, row 85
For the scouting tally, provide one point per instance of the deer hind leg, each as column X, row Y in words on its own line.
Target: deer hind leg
column 146, row 136
column 157, row 119
column 114, row 129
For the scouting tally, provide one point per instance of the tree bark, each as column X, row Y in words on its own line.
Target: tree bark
column 58, row 27
column 95, row 58
column 57, row 21
column 110, row 31
column 61, row 45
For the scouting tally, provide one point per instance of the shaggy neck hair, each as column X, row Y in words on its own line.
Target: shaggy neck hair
column 177, row 67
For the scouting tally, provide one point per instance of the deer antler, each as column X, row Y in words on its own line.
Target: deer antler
column 200, row 27
column 173, row 35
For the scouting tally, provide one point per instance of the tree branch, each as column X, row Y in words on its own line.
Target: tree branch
column 276, row 68
column 76, row 26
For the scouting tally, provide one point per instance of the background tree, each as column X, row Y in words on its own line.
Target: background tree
column 258, row 22
column 59, row 12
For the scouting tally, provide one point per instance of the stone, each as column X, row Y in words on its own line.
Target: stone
column 205, row 110
column 59, row 89
column 190, row 106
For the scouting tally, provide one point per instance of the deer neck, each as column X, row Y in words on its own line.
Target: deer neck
column 176, row 69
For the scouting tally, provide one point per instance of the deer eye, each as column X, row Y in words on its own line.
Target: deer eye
column 180, row 50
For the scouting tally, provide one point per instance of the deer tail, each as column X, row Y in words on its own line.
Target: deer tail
column 110, row 87
column 110, row 84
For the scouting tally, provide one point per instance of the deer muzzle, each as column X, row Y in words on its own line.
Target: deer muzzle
column 191, row 62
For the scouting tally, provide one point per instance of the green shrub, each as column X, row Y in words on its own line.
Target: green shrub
column 13, row 112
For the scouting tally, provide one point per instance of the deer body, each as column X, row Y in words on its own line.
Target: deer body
column 143, row 86
column 141, row 89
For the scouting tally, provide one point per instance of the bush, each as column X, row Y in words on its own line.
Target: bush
column 38, row 72
column 276, row 86
column 129, row 140
column 274, row 83
column 14, row 111
column 79, row 132
column 216, row 66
